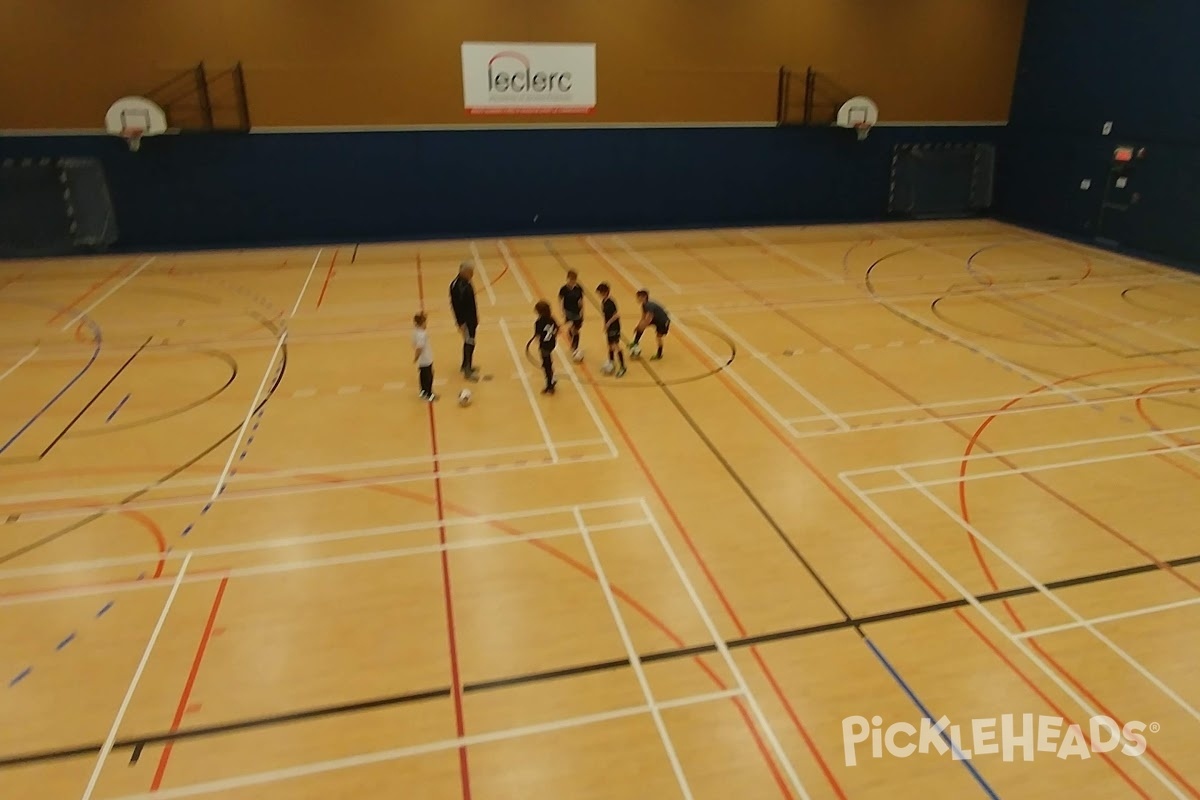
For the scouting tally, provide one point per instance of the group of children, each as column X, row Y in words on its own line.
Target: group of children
column 546, row 329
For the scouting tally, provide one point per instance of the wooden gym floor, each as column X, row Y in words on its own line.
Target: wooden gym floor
column 892, row 471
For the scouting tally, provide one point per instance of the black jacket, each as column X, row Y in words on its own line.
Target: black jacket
column 462, row 300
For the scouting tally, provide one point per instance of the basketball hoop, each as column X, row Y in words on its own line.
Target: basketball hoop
column 133, row 138
column 863, row 129
column 135, row 118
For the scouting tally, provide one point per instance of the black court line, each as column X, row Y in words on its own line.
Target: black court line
column 725, row 463
column 95, row 397
column 136, row 744
column 58, row 534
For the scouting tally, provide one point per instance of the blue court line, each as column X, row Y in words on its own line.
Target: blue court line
column 917, row 702
column 262, row 301
column 183, row 534
column 97, row 340
column 115, row 410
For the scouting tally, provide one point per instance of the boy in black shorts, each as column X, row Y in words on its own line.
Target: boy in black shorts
column 571, row 297
column 652, row 315
column 612, row 329
column 545, row 330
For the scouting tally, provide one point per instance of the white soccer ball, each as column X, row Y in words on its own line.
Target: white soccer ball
column 464, row 397
column 607, row 368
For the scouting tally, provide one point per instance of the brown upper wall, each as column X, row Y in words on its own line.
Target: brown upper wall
column 397, row 62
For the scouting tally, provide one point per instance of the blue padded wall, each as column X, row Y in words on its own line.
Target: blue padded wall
column 1086, row 62
column 220, row 190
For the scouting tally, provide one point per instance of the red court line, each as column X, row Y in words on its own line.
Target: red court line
column 550, row 550
column 629, row 443
column 964, row 511
column 503, row 272
column 190, row 684
column 973, row 543
column 91, row 290
column 155, row 531
column 420, row 282
column 790, row 445
column 328, row 275
column 447, row 592
column 1178, row 440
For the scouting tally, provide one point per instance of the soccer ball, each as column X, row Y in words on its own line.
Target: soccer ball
column 464, row 397
column 635, row 350
column 607, row 368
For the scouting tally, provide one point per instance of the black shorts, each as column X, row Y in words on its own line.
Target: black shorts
column 661, row 328
column 614, row 336
column 575, row 320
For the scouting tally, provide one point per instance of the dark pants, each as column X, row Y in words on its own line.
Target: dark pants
column 548, row 367
column 426, row 379
column 468, row 353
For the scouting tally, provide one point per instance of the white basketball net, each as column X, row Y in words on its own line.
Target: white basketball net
column 133, row 137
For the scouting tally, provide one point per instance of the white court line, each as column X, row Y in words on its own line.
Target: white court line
column 384, row 756
column 1020, row 644
column 1000, row 398
column 1055, row 599
column 631, row 653
column 792, row 257
column 487, row 283
column 830, row 415
column 723, row 648
column 612, row 262
column 533, row 404
column 1016, row 451
column 515, row 269
column 19, row 363
column 1138, row 612
column 254, row 477
column 1141, row 325
column 133, row 684
column 733, row 373
column 237, row 442
column 648, row 265
column 282, row 567
column 108, row 294
column 569, row 369
column 317, row 538
column 309, row 488
column 982, row 476
column 907, row 423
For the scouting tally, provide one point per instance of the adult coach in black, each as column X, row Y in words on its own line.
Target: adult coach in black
column 466, row 314
column 652, row 315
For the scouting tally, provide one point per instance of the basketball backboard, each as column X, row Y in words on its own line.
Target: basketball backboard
column 135, row 117
column 859, row 113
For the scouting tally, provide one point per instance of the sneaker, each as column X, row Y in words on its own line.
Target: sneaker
column 620, row 372
column 656, row 357
column 430, row 398
column 548, row 390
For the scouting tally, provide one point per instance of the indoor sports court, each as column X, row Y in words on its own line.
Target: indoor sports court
column 881, row 470
column 906, row 505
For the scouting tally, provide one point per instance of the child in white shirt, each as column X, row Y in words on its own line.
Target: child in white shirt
column 423, row 356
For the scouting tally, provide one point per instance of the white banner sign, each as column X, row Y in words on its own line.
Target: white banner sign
column 509, row 78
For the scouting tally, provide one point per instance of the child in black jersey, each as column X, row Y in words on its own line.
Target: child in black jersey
column 545, row 331
column 571, row 297
column 612, row 329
